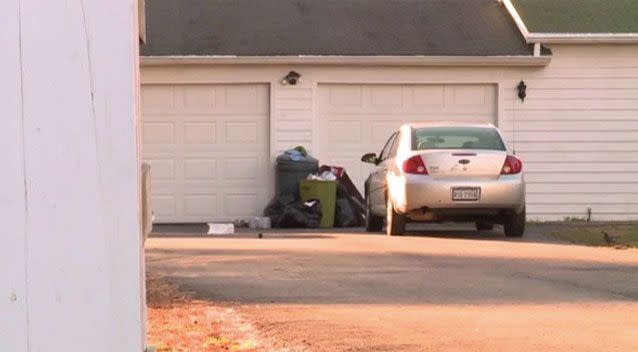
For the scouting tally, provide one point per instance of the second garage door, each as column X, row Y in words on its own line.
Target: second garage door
column 355, row 119
column 208, row 149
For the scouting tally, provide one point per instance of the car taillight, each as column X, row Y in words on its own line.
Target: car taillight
column 512, row 166
column 415, row 165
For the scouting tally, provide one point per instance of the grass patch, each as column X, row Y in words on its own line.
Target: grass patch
column 594, row 235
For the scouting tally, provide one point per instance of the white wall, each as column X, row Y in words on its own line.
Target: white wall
column 70, row 254
column 577, row 131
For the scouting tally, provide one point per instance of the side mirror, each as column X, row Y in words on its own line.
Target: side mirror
column 370, row 158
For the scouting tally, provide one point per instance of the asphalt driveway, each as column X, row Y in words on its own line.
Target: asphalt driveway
column 434, row 290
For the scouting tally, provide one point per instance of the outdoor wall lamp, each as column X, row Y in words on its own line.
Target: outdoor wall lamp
column 291, row 78
column 522, row 90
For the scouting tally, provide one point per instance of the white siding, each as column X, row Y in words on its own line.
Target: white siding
column 13, row 251
column 577, row 131
column 293, row 107
column 70, row 255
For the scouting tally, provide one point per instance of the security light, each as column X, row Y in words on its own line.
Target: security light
column 291, row 78
column 522, row 90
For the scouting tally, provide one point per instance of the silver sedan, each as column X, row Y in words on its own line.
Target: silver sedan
column 440, row 172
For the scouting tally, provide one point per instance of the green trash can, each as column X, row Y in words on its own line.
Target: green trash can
column 326, row 192
column 290, row 172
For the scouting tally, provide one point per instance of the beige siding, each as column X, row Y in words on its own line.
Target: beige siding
column 577, row 131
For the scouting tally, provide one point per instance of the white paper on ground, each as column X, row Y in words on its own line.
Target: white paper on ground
column 221, row 229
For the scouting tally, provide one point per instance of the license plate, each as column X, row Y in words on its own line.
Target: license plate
column 466, row 193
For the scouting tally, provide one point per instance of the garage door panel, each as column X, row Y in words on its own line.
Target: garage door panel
column 428, row 96
column 200, row 132
column 241, row 132
column 201, row 188
column 164, row 190
column 200, row 169
column 382, row 130
column 473, row 99
column 241, row 169
column 469, row 96
column 339, row 134
column 158, row 99
column 469, row 118
column 225, row 99
column 162, row 169
column 237, row 204
column 386, row 97
column 357, row 119
column 163, row 206
column 344, row 96
column 246, row 99
column 242, row 96
column 343, row 131
column 158, row 133
column 199, row 98
column 200, row 205
column 210, row 144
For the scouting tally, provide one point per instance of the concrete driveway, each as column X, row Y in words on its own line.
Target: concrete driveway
column 450, row 290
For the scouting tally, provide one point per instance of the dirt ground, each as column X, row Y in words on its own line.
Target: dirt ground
column 432, row 290
column 179, row 323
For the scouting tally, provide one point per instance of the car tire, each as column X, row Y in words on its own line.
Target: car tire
column 374, row 223
column 395, row 222
column 484, row 226
column 515, row 225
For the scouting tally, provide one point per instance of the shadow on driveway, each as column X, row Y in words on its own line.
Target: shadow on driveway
column 409, row 275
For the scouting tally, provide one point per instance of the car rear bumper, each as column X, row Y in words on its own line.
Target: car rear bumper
column 420, row 193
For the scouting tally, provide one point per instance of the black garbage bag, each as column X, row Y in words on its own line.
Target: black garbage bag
column 285, row 210
column 301, row 214
column 344, row 214
column 275, row 208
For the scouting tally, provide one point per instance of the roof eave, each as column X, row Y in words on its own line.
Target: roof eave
column 582, row 38
column 449, row 61
column 518, row 20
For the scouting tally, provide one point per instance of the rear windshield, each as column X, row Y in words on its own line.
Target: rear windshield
column 456, row 138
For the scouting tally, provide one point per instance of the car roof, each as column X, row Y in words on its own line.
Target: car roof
column 449, row 124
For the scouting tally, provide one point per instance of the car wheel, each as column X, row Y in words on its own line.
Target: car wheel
column 484, row 226
column 515, row 225
column 374, row 223
column 395, row 222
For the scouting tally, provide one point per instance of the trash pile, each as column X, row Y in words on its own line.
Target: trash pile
column 325, row 176
column 285, row 211
column 309, row 196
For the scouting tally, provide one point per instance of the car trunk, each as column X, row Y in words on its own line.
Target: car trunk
column 464, row 164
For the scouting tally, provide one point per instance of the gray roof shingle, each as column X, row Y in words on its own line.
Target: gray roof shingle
column 579, row 16
column 331, row 27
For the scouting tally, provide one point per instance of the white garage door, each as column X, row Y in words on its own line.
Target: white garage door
column 356, row 119
column 208, row 146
